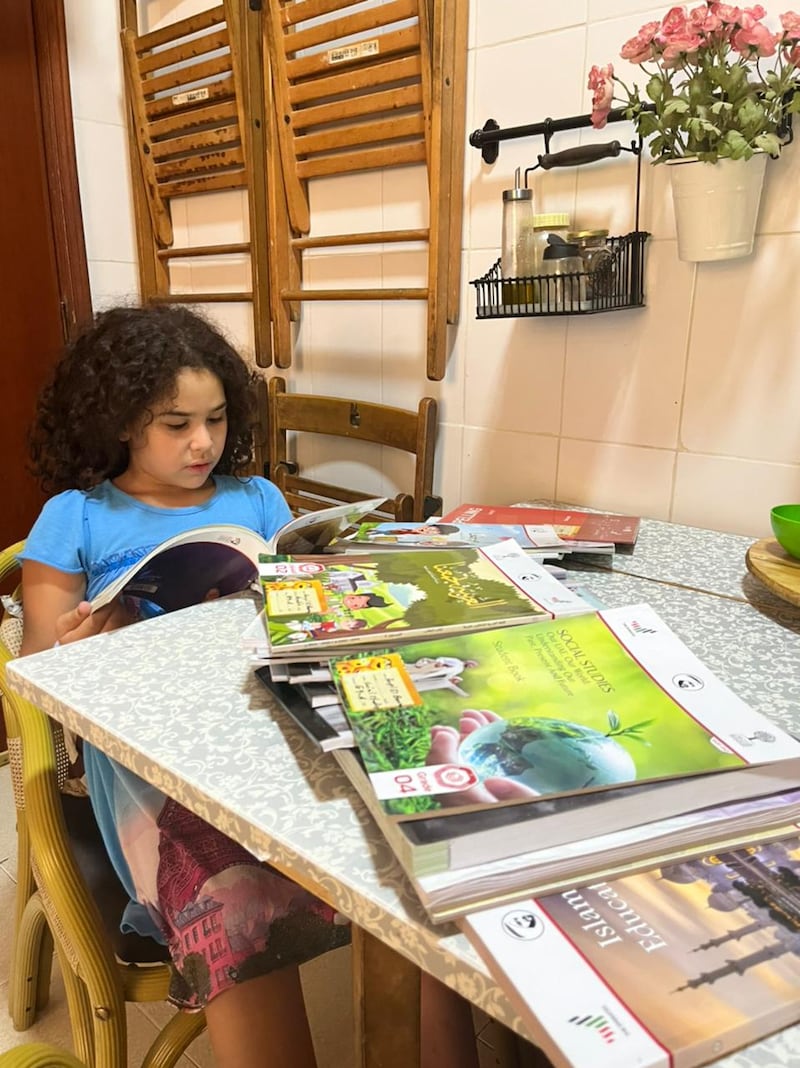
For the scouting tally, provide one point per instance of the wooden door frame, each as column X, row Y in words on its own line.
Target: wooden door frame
column 55, row 110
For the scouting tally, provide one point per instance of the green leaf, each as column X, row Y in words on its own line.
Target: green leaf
column 676, row 106
column 769, row 143
column 655, row 88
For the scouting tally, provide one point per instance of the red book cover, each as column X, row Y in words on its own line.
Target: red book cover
column 569, row 524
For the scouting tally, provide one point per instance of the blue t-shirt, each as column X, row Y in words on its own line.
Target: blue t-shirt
column 102, row 532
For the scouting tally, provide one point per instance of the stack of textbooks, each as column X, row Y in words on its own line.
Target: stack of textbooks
column 572, row 785
column 508, row 745
column 326, row 606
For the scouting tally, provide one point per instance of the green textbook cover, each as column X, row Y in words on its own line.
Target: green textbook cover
column 568, row 705
column 330, row 602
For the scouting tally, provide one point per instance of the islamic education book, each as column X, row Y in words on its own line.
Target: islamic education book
column 670, row 968
column 583, row 703
column 217, row 560
column 571, row 524
column 329, row 603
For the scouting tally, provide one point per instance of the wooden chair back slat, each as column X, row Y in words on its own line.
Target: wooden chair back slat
column 185, row 52
column 413, row 432
column 218, row 68
column 209, row 105
column 346, row 163
column 399, row 97
column 198, row 141
column 202, row 164
column 331, row 33
column 181, row 28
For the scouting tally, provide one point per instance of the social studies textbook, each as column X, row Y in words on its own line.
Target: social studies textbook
column 329, row 602
column 583, row 703
column 671, row 968
column 570, row 524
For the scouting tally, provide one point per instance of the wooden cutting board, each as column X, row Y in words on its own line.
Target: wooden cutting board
column 773, row 566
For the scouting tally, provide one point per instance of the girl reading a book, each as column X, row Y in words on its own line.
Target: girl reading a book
column 142, row 433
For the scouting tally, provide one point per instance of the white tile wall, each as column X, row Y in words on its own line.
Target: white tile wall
column 685, row 409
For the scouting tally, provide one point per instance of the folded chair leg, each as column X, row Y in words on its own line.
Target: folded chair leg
column 173, row 1039
column 31, row 961
column 80, row 1012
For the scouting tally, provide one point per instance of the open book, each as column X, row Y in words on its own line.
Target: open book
column 214, row 561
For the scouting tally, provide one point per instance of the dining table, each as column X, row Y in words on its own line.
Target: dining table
column 176, row 700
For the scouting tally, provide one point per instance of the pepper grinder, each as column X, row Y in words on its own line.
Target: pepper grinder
column 517, row 212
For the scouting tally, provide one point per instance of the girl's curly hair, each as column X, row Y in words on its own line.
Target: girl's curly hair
column 111, row 376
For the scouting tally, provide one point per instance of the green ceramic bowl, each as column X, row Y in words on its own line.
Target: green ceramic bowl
column 785, row 519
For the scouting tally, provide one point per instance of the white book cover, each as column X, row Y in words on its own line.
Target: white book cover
column 672, row 967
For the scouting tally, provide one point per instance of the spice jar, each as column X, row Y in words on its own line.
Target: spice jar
column 562, row 285
column 554, row 222
column 598, row 261
column 517, row 214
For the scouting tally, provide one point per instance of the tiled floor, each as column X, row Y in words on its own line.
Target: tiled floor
column 326, row 983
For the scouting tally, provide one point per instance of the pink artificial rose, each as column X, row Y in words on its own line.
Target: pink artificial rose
column 748, row 17
column 640, row 48
column 729, row 15
column 791, row 25
column 602, row 85
column 755, row 40
column 674, row 22
column 679, row 45
column 703, row 20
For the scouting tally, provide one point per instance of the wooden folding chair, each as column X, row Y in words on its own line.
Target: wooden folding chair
column 299, row 414
column 193, row 95
column 361, row 88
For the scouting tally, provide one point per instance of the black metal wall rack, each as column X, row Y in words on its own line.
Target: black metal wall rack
column 623, row 287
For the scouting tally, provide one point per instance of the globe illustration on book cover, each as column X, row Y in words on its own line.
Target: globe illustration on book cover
column 547, row 755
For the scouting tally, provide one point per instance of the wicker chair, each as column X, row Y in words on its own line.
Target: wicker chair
column 68, row 896
column 38, row 1055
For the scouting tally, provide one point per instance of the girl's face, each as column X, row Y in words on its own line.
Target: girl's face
column 180, row 447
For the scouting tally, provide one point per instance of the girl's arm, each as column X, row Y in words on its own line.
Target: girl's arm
column 55, row 609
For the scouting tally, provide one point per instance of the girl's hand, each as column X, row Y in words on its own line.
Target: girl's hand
column 80, row 622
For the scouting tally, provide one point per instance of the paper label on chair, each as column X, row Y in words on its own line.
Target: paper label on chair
column 347, row 53
column 190, row 97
